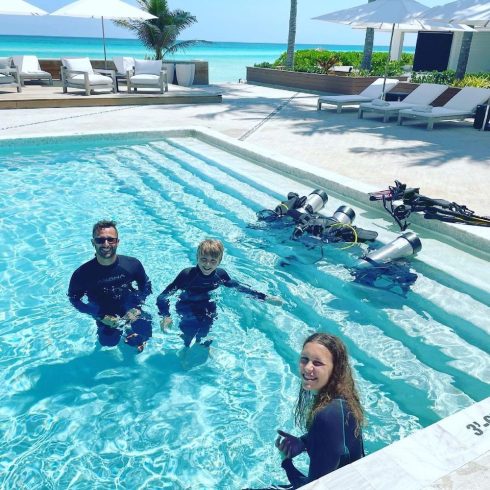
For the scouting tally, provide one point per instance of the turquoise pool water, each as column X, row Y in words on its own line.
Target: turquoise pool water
column 74, row 415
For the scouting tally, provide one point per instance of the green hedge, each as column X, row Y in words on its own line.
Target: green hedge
column 448, row 77
column 309, row 60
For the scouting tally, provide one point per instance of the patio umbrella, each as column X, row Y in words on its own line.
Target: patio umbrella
column 384, row 15
column 19, row 7
column 471, row 12
column 103, row 9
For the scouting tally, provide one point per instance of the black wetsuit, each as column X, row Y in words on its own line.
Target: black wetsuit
column 110, row 291
column 195, row 306
column 331, row 443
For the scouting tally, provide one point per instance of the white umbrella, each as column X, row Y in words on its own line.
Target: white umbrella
column 384, row 15
column 103, row 9
column 471, row 12
column 19, row 7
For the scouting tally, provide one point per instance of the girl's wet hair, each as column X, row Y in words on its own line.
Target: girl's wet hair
column 340, row 385
column 211, row 247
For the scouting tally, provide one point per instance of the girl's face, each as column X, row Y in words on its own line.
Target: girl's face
column 207, row 263
column 315, row 366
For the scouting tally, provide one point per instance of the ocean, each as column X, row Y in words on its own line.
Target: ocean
column 227, row 61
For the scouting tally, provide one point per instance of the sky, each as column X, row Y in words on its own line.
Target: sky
column 258, row 21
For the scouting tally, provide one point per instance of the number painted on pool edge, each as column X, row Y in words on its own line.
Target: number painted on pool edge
column 475, row 426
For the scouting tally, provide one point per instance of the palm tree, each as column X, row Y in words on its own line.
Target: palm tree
column 161, row 34
column 368, row 47
column 464, row 54
column 292, row 34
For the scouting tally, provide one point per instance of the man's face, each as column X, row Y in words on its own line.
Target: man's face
column 105, row 243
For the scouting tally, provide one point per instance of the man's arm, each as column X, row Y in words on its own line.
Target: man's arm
column 144, row 284
column 76, row 291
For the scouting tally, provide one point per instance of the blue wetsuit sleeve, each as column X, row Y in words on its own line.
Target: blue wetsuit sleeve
column 76, row 292
column 144, row 284
column 163, row 303
column 295, row 477
column 231, row 283
column 325, row 443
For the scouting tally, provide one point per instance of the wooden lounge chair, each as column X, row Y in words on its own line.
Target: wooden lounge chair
column 148, row 74
column 9, row 75
column 30, row 69
column 78, row 73
column 423, row 95
column 373, row 91
column 461, row 106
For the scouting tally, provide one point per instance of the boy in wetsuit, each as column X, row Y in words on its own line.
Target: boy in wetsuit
column 195, row 306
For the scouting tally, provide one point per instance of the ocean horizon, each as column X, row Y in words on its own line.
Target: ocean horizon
column 227, row 60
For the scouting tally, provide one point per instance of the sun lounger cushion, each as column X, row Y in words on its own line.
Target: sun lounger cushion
column 5, row 63
column 94, row 79
column 147, row 67
column 423, row 108
column 78, row 64
column 380, row 102
column 123, row 64
column 28, row 64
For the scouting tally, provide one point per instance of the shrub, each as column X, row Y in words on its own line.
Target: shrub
column 315, row 61
column 448, row 77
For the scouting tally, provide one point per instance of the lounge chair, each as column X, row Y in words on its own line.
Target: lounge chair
column 423, row 95
column 461, row 106
column 123, row 64
column 374, row 91
column 30, row 69
column 78, row 73
column 9, row 75
column 148, row 74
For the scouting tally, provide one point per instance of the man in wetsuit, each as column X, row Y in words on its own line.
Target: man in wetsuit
column 108, row 283
column 195, row 305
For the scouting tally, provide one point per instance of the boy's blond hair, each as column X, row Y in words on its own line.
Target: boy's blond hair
column 211, row 247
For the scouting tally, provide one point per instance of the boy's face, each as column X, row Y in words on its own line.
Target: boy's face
column 207, row 263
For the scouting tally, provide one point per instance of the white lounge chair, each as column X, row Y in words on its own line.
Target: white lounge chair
column 373, row 91
column 9, row 75
column 423, row 95
column 78, row 73
column 461, row 106
column 30, row 69
column 123, row 64
column 148, row 74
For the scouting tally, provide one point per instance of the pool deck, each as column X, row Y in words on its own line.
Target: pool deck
column 451, row 162
column 45, row 96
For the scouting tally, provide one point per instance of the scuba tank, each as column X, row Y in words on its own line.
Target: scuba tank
column 317, row 225
column 403, row 246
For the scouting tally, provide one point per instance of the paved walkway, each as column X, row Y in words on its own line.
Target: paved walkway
column 451, row 162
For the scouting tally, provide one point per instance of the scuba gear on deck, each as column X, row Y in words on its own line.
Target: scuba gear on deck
column 400, row 201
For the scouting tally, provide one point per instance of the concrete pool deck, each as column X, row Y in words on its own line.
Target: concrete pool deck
column 451, row 162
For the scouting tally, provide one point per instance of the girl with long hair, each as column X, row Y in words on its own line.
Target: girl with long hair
column 328, row 407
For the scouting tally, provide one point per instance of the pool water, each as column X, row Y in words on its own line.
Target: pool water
column 76, row 415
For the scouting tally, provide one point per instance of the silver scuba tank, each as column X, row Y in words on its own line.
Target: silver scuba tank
column 314, row 202
column 403, row 246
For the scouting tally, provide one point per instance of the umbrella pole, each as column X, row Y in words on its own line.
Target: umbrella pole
column 387, row 61
column 103, row 37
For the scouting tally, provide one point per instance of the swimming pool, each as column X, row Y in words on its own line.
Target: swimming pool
column 74, row 415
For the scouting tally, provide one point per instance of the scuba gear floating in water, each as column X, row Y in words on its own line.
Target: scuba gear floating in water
column 381, row 268
column 383, row 265
column 304, row 213
column 400, row 201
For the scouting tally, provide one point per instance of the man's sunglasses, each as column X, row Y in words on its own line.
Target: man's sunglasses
column 102, row 239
